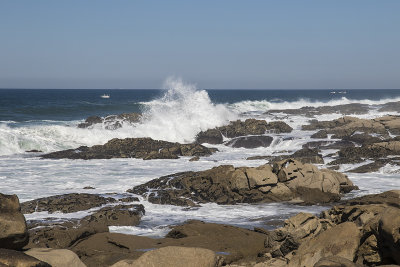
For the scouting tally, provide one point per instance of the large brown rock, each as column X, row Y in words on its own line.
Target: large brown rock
column 287, row 180
column 56, row 257
column 341, row 240
column 65, row 234
column 389, row 234
column 13, row 230
column 19, row 259
column 174, row 256
column 145, row 148
column 228, row 242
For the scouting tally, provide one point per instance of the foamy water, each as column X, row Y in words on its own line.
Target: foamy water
column 177, row 116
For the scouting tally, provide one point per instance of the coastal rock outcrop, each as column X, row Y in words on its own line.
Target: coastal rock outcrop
column 229, row 243
column 345, row 127
column 66, row 203
column 284, row 181
column 174, row 256
column 357, row 232
column 145, row 148
column 304, row 155
column 242, row 128
column 65, row 234
column 13, row 229
column 10, row 257
column 251, row 141
column 111, row 122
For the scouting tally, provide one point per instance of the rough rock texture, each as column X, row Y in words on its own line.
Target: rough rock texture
column 19, row 259
column 65, row 234
column 341, row 240
column 66, row 203
column 304, row 155
column 174, row 256
column 56, row 257
column 348, row 126
column 111, row 122
column 13, row 230
column 251, row 141
column 285, row 180
column 241, row 128
column 228, row 242
column 145, row 148
column 358, row 232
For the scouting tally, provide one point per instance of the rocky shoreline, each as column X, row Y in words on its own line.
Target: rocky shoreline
column 363, row 231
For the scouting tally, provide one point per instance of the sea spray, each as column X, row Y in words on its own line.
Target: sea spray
column 177, row 116
column 181, row 113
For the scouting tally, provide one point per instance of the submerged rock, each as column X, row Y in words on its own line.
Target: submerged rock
column 145, row 148
column 14, row 233
column 284, row 181
column 251, row 141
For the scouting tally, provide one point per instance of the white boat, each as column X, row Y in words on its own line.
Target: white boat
column 105, row 96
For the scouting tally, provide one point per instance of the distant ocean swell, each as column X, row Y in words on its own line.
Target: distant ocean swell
column 176, row 116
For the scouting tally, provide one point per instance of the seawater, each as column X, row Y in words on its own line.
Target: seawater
column 47, row 120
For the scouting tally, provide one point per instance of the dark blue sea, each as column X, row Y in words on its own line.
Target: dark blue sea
column 74, row 104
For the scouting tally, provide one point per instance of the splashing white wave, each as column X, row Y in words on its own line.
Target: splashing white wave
column 178, row 116
column 181, row 113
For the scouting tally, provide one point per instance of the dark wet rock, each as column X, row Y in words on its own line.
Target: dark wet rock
column 376, row 151
column 346, row 109
column 89, row 187
column 390, row 106
column 251, row 141
column 65, row 234
column 33, row 151
column 111, row 122
column 363, row 139
column 66, row 203
column 211, row 136
column 229, row 242
column 145, row 148
column 330, row 144
column 13, row 234
column 242, row 128
column 370, row 167
column 305, row 155
column 320, row 134
column 286, row 180
column 10, row 257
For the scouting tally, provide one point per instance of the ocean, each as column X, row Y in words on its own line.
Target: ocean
column 46, row 120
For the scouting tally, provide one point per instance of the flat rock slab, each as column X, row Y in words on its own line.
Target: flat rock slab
column 144, row 148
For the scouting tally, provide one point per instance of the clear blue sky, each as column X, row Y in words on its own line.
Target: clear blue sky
column 214, row 44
